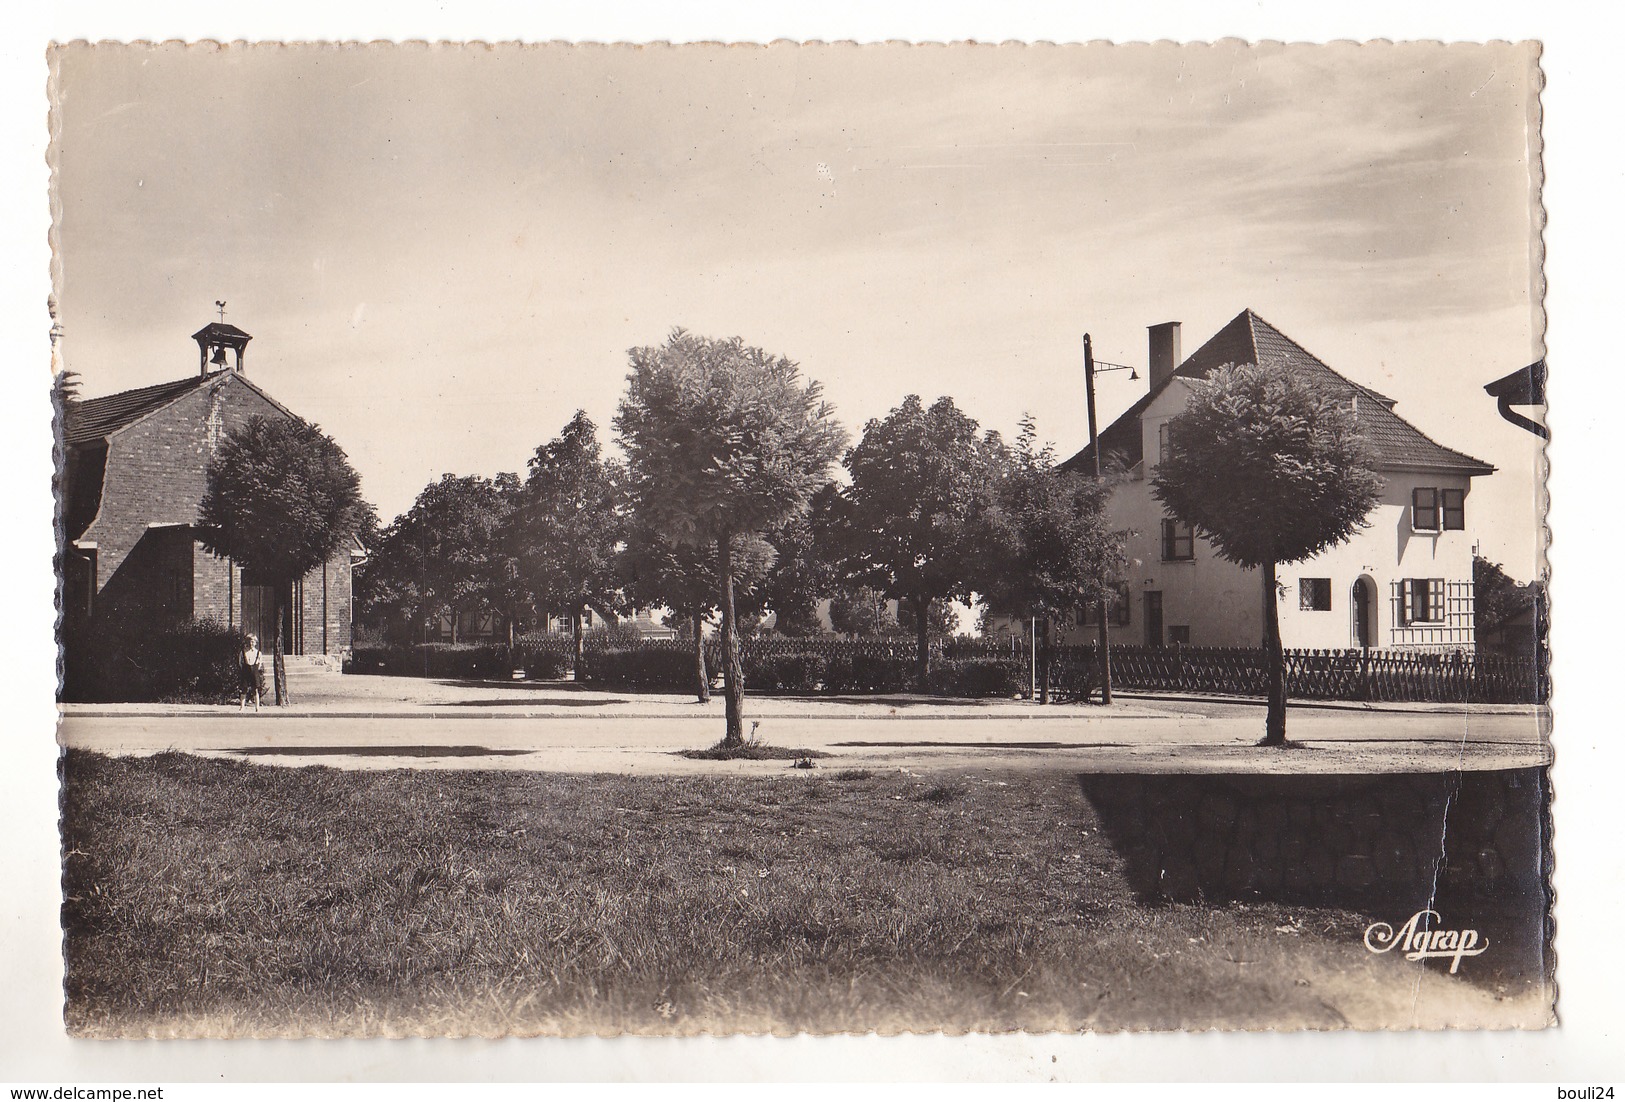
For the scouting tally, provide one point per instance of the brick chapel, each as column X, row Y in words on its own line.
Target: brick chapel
column 133, row 476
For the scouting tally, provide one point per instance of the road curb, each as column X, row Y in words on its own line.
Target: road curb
column 278, row 713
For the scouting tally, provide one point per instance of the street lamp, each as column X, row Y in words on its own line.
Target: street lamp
column 1089, row 370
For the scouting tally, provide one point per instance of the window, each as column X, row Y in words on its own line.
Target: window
column 1315, row 594
column 1178, row 543
column 1425, row 509
column 1435, row 510
column 1453, row 506
column 1089, row 615
column 1423, row 600
column 1163, row 448
column 1179, row 635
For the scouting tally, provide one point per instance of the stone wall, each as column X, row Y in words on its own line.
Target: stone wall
column 1384, row 843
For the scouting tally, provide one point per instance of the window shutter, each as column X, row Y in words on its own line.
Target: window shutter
column 1454, row 503
column 1405, row 598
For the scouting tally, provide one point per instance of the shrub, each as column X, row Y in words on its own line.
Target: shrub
column 194, row 662
column 868, row 673
column 541, row 664
column 785, row 672
column 976, row 677
column 663, row 669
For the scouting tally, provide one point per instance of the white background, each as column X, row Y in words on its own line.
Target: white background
column 1583, row 194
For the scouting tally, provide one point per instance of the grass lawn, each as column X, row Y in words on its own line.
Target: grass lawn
column 212, row 897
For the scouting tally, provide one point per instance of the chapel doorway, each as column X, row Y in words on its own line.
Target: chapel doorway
column 259, row 613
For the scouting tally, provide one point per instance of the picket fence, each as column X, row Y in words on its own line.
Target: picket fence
column 1367, row 675
column 1364, row 675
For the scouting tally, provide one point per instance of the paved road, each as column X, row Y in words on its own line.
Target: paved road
column 1135, row 736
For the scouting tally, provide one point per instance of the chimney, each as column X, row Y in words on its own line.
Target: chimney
column 1164, row 353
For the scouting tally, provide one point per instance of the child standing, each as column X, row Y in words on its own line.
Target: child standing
column 248, row 672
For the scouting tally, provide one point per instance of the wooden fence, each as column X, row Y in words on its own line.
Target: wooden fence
column 1368, row 675
column 1371, row 675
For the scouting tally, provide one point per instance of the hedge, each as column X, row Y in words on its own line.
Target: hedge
column 194, row 662
column 660, row 669
column 448, row 660
column 977, row 677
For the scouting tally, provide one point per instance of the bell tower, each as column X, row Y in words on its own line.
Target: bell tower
column 213, row 340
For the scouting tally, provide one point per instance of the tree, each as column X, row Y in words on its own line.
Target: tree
column 920, row 479
column 655, row 571
column 568, row 527
column 860, row 611
column 1271, row 469
column 1049, row 549
column 280, row 498
column 446, row 555
column 941, row 620
column 803, row 572
column 1498, row 600
column 723, row 441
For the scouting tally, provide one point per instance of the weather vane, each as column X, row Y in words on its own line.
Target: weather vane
column 220, row 304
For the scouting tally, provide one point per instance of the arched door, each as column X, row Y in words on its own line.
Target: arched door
column 1364, row 601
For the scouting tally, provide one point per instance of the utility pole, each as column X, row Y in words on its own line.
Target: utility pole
column 1094, row 447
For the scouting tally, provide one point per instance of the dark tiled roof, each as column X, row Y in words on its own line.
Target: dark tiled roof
column 93, row 419
column 1249, row 339
column 219, row 330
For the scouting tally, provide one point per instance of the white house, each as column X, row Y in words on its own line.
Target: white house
column 1404, row 581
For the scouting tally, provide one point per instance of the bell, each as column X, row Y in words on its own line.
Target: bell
column 219, row 356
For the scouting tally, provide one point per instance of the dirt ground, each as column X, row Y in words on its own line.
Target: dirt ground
column 369, row 722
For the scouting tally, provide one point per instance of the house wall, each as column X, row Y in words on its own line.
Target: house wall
column 156, row 467
column 324, row 595
column 1222, row 604
column 217, row 593
column 148, row 562
column 1388, row 551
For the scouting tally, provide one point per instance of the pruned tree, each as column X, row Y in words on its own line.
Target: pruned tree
column 1271, row 469
column 568, row 527
column 1048, row 547
column 723, row 441
column 280, row 499
column 920, row 480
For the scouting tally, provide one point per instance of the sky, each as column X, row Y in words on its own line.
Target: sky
column 443, row 252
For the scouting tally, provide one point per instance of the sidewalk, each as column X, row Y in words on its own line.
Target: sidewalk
column 318, row 695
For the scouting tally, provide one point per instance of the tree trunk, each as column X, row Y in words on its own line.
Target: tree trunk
column 279, row 672
column 1043, row 663
column 1104, row 650
column 454, row 618
column 1275, row 718
column 578, row 641
column 922, row 641
column 704, row 677
column 733, row 674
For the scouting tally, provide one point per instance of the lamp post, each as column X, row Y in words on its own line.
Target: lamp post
column 1089, row 370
